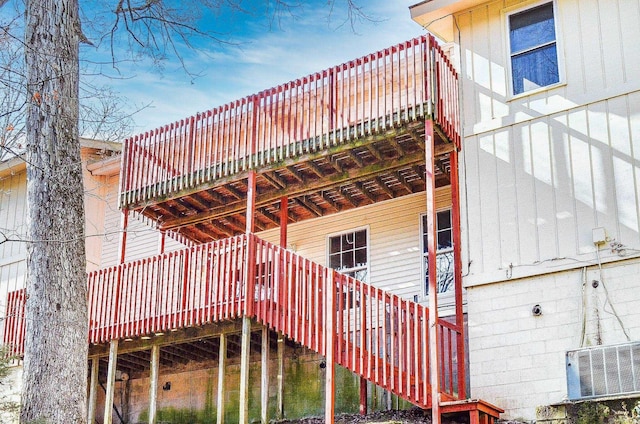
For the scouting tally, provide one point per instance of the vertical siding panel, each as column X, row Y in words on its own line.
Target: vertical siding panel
column 497, row 57
column 573, row 52
column 612, row 44
column 13, row 210
column 629, row 11
column 544, row 190
column 468, row 101
column 473, row 211
column 564, row 195
column 111, row 224
column 601, row 167
column 490, row 207
column 621, row 153
column 526, row 194
column 634, row 132
column 481, row 66
column 592, row 49
column 507, row 198
column 582, row 185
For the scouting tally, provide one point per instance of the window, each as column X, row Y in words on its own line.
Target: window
column 533, row 48
column 348, row 253
column 444, row 253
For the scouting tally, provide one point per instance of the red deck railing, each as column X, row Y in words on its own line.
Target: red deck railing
column 376, row 334
column 400, row 84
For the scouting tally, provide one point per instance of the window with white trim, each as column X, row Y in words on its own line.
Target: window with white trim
column 533, row 48
column 349, row 254
column 444, row 251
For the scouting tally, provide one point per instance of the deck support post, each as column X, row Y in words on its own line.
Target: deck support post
column 264, row 380
column 153, row 384
column 250, row 259
column 457, row 269
column 93, row 390
column 251, row 202
column 222, row 363
column 111, row 382
column 363, row 396
column 284, row 220
column 244, row 371
column 430, row 178
column 280, row 394
column 162, row 238
column 124, row 224
column 330, row 310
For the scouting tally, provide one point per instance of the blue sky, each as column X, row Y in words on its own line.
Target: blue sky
column 263, row 54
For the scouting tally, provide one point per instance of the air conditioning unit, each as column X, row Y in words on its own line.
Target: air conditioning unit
column 603, row 371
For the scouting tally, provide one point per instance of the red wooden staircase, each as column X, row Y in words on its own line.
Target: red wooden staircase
column 373, row 333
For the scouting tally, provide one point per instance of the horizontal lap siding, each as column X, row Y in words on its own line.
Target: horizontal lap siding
column 394, row 236
column 13, row 212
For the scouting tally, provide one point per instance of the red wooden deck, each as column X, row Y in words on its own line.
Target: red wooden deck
column 390, row 88
column 375, row 334
column 378, row 335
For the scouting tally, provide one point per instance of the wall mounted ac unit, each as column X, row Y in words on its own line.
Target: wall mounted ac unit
column 603, row 371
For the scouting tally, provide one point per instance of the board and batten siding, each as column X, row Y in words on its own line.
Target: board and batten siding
column 599, row 58
column 394, row 239
column 536, row 190
column 542, row 170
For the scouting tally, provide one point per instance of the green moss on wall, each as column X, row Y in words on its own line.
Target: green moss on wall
column 605, row 412
column 181, row 416
column 303, row 388
column 304, row 392
column 347, row 391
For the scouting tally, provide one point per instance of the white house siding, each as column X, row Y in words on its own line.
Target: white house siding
column 142, row 238
column 598, row 48
column 536, row 189
column 540, row 172
column 13, row 210
column 517, row 360
column 394, row 239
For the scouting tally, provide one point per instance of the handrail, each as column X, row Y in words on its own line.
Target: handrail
column 178, row 289
column 337, row 105
column 377, row 335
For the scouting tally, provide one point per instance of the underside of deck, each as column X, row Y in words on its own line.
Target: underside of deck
column 365, row 171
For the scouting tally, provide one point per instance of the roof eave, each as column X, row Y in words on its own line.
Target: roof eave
column 436, row 15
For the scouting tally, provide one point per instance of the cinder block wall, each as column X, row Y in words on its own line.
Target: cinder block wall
column 517, row 359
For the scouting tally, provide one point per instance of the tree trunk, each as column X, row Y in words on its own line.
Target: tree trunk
column 55, row 365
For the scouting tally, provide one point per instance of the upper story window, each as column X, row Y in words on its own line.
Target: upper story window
column 348, row 253
column 444, row 252
column 533, row 48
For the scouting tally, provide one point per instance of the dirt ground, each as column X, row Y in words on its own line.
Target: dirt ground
column 411, row 416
